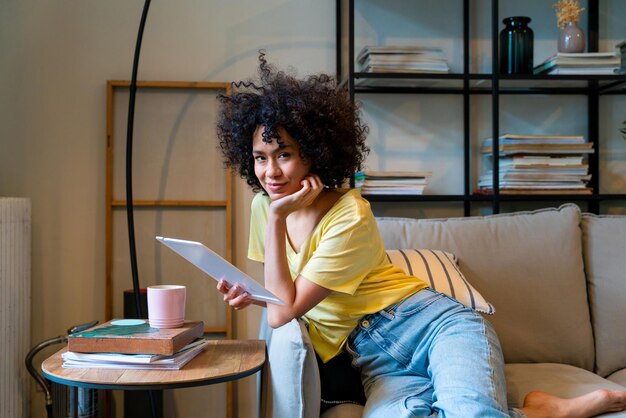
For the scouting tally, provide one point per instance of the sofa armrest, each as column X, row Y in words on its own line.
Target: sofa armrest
column 292, row 386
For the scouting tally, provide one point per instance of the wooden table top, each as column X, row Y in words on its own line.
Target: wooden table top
column 221, row 361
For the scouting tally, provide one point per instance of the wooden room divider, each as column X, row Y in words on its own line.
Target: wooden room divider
column 180, row 189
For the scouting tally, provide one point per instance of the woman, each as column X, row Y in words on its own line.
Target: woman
column 419, row 352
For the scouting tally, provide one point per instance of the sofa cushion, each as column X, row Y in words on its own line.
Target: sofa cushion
column 440, row 270
column 529, row 265
column 604, row 241
column 291, row 386
column 618, row 377
column 558, row 379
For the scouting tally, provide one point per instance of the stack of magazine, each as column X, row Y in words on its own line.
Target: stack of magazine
column 402, row 59
column 580, row 63
column 134, row 361
column 539, row 164
column 392, row 182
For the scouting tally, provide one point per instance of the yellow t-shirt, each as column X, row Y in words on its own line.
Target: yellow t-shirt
column 344, row 253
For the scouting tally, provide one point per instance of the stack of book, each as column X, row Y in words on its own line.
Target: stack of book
column 622, row 53
column 134, row 344
column 402, row 59
column 539, row 164
column 392, row 182
column 97, row 360
column 580, row 63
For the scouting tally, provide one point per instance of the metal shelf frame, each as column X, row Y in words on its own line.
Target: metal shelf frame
column 466, row 84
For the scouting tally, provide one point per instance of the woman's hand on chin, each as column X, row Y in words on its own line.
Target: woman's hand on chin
column 311, row 188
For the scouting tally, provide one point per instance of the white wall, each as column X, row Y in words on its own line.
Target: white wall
column 57, row 56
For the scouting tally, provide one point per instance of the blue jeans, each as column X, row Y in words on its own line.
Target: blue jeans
column 430, row 356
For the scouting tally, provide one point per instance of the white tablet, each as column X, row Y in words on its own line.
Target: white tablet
column 218, row 268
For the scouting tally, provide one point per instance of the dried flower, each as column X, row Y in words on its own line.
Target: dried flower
column 567, row 11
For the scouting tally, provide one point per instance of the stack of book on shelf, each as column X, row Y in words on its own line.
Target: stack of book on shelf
column 539, row 164
column 392, row 182
column 124, row 344
column 580, row 63
column 402, row 59
column 622, row 52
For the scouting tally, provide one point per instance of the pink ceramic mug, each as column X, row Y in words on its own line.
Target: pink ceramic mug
column 166, row 305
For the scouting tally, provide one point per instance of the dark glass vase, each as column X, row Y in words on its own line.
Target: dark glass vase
column 516, row 46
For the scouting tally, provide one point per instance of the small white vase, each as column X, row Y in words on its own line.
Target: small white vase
column 571, row 38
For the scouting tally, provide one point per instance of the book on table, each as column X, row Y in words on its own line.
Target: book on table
column 137, row 338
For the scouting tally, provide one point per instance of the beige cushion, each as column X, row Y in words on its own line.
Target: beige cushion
column 604, row 240
column 440, row 270
column 559, row 379
column 527, row 264
column 618, row 377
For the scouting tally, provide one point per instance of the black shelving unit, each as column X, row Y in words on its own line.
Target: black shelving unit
column 494, row 84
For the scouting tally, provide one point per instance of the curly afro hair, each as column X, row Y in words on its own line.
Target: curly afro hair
column 317, row 113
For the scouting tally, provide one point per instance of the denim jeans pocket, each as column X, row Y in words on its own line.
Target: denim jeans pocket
column 355, row 356
column 420, row 403
column 399, row 396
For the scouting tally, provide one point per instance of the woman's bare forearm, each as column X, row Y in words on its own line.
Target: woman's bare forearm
column 277, row 275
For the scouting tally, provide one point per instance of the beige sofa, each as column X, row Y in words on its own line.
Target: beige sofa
column 556, row 277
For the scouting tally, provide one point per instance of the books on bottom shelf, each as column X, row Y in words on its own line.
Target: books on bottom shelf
column 583, row 70
column 174, row 361
column 544, row 176
column 537, row 191
column 544, row 161
column 546, row 148
column 538, row 182
column 392, row 182
column 536, row 139
column 539, row 164
column 622, row 48
column 515, row 144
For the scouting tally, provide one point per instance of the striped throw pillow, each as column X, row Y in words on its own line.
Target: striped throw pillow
column 440, row 270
